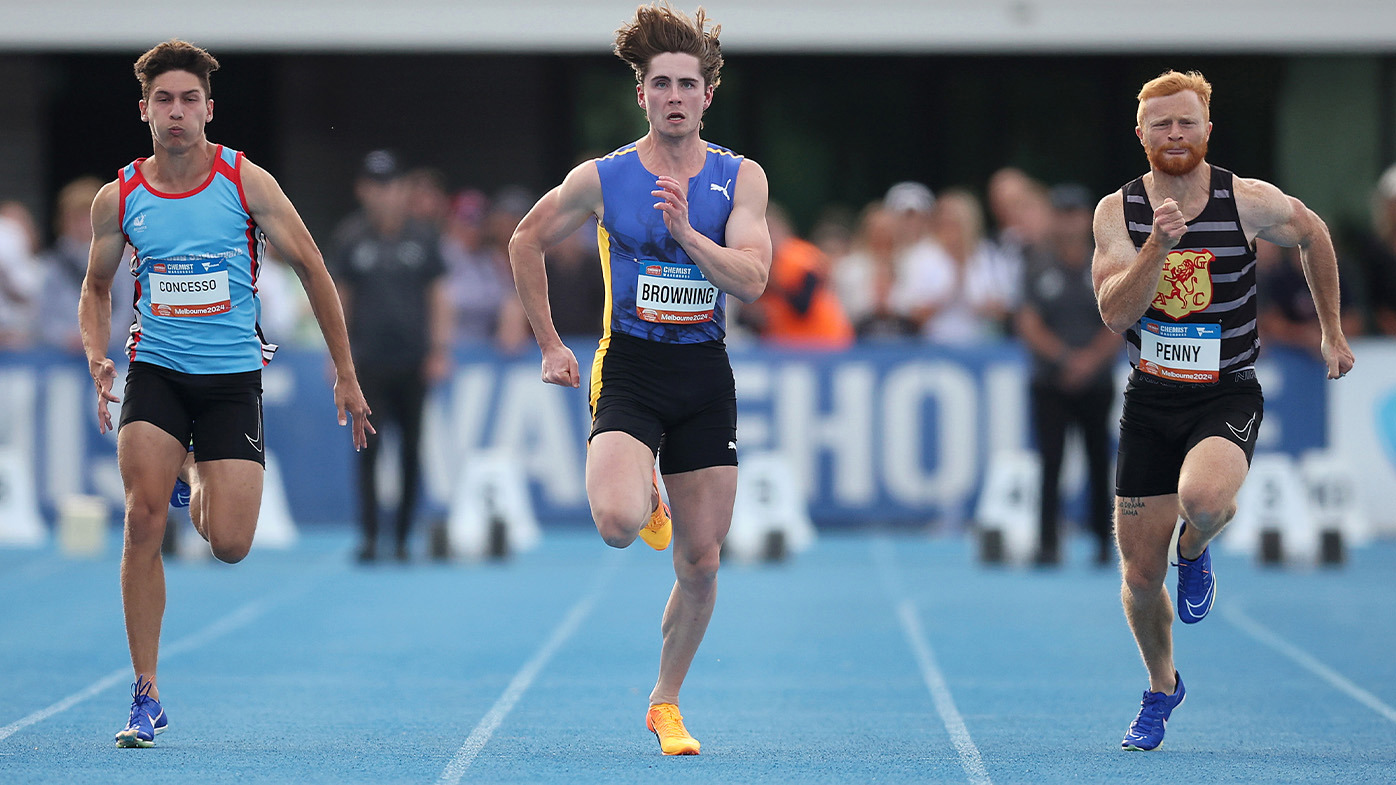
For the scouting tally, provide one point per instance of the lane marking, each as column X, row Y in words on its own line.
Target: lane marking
column 244, row 615
column 1258, row 631
column 238, row 618
column 522, row 680
column 970, row 759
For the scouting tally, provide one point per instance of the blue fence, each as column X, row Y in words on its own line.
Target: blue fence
column 898, row 434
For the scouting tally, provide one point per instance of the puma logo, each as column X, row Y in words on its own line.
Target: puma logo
column 722, row 188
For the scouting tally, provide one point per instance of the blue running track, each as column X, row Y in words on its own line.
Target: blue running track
column 868, row 659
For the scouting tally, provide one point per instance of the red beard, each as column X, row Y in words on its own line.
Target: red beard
column 1175, row 166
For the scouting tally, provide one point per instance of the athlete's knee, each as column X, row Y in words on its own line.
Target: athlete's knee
column 230, row 549
column 696, row 568
column 1206, row 506
column 145, row 524
column 616, row 526
column 1143, row 579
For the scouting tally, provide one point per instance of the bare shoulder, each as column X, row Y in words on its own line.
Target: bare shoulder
column 582, row 186
column 1261, row 205
column 751, row 175
column 106, row 207
column 1109, row 220
column 255, row 175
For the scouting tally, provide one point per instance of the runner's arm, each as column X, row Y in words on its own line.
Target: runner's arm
column 742, row 267
column 1286, row 221
column 1125, row 280
column 560, row 212
column 277, row 217
column 94, row 304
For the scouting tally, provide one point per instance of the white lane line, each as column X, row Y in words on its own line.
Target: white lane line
column 522, row 680
column 970, row 759
column 1258, row 631
column 238, row 618
column 241, row 617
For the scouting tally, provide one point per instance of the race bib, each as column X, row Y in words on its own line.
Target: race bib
column 194, row 288
column 668, row 293
column 1180, row 352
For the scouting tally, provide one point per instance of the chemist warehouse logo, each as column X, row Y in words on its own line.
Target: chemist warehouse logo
column 1186, row 285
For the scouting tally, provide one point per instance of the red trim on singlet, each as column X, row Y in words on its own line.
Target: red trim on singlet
column 234, row 173
column 139, row 179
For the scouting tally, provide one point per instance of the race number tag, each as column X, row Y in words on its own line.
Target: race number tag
column 1180, row 352
column 667, row 293
column 189, row 288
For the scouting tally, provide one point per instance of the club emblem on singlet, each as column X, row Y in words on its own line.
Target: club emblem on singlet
column 1186, row 285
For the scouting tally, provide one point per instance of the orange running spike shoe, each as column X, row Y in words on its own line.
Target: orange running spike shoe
column 660, row 529
column 667, row 724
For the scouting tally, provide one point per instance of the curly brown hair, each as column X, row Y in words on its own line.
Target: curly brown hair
column 659, row 29
column 175, row 55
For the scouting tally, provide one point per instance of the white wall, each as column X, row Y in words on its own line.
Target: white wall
column 1279, row 26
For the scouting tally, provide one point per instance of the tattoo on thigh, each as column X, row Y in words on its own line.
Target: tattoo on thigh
column 1131, row 506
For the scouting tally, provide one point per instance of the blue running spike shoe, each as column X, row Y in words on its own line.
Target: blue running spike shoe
column 179, row 497
column 147, row 718
column 1146, row 732
column 1197, row 586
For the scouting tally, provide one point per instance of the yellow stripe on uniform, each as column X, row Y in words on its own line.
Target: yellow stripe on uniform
column 603, row 241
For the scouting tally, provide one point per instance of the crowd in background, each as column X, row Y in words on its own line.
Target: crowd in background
column 944, row 268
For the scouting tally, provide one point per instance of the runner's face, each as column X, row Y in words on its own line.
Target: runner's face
column 177, row 110
column 673, row 94
column 1174, row 130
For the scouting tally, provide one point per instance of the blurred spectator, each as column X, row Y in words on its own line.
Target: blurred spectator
column 17, row 212
column 1020, row 207
column 1073, row 355
column 508, row 208
column 799, row 308
column 19, row 277
column 390, row 275
column 63, row 267
column 1377, row 256
column 478, row 279
column 427, row 198
column 833, row 232
column 866, row 278
column 1022, row 214
column 957, row 291
column 1286, row 314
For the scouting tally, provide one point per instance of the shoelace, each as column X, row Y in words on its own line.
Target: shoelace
column 1151, row 718
column 140, row 696
column 1194, row 571
column 656, row 520
column 670, row 723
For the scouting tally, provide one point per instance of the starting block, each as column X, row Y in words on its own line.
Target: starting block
column 21, row 525
column 770, row 518
column 82, row 526
column 491, row 514
column 1007, row 514
column 1341, row 521
column 1273, row 516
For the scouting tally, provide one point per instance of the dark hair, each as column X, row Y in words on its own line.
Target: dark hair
column 175, row 55
column 658, row 29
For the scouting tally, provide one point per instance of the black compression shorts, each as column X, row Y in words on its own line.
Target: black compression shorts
column 1162, row 421
column 221, row 413
column 679, row 399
